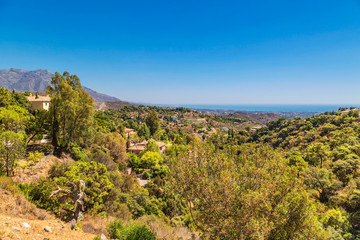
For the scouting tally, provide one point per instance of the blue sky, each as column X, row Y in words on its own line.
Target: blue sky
column 192, row 52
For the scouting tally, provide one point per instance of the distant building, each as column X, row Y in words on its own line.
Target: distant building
column 162, row 147
column 39, row 103
column 130, row 131
column 138, row 148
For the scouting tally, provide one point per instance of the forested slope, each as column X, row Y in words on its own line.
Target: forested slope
column 217, row 179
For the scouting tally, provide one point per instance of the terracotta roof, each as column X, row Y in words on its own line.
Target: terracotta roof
column 160, row 144
column 39, row 99
column 128, row 130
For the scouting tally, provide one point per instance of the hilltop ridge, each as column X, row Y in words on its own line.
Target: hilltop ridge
column 38, row 80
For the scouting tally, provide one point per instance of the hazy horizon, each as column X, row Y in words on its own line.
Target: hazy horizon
column 204, row 52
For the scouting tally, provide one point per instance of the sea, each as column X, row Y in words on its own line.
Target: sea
column 269, row 107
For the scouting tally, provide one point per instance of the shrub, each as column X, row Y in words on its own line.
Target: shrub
column 146, row 175
column 96, row 181
column 131, row 231
column 7, row 184
column 150, row 159
column 58, row 169
column 151, row 146
column 39, row 194
column 134, row 161
column 34, row 157
column 100, row 156
column 78, row 154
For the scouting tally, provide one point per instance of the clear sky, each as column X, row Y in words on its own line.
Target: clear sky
column 192, row 52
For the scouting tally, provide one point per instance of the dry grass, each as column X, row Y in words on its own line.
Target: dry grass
column 166, row 232
column 95, row 225
column 40, row 170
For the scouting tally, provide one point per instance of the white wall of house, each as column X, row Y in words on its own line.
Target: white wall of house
column 40, row 105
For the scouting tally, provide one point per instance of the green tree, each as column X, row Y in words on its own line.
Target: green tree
column 297, row 161
column 151, row 146
column 143, row 131
column 134, row 161
column 346, row 168
column 323, row 182
column 11, row 120
column 153, row 122
column 175, row 150
column 252, row 196
column 335, row 219
column 12, row 147
column 317, row 153
column 150, row 159
column 5, row 97
column 117, row 147
column 38, row 124
column 21, row 100
column 71, row 112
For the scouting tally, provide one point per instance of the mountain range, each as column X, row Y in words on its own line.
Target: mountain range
column 38, row 80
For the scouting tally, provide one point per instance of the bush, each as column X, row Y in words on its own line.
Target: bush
column 146, row 175
column 100, row 156
column 97, row 183
column 97, row 187
column 58, row 169
column 134, row 161
column 131, row 231
column 7, row 184
column 78, row 154
column 39, row 194
column 150, row 159
column 34, row 158
column 151, row 146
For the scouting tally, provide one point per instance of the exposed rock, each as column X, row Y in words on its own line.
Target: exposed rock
column 103, row 237
column 25, row 225
column 47, row 229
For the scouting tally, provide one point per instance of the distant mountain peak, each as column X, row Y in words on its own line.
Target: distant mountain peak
column 38, row 80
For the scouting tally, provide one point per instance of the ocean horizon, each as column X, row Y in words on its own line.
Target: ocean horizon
column 268, row 107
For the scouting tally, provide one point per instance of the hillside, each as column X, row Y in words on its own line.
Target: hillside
column 106, row 105
column 262, row 118
column 146, row 170
column 22, row 80
column 38, row 80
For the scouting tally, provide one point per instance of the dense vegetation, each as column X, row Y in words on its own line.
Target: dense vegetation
column 292, row 179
